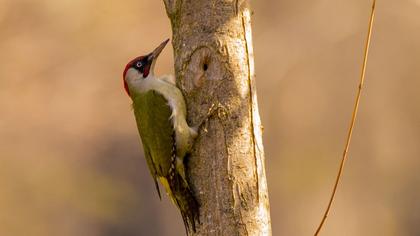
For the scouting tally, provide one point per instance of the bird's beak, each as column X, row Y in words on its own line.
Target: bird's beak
column 151, row 58
column 157, row 51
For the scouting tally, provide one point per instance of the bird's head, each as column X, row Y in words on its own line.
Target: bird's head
column 142, row 67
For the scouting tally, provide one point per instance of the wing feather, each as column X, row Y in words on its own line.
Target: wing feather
column 155, row 127
column 153, row 117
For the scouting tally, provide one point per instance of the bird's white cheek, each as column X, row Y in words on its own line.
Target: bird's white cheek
column 132, row 75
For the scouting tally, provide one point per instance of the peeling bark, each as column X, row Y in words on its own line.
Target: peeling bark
column 214, row 65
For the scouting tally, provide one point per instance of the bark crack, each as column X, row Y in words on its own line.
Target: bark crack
column 216, row 186
column 250, row 61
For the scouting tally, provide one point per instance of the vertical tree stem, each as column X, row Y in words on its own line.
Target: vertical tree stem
column 214, row 65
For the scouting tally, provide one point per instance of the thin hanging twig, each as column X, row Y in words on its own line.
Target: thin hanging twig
column 353, row 120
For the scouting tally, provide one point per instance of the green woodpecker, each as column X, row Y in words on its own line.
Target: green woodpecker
column 160, row 111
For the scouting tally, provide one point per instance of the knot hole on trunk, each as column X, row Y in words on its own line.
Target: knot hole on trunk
column 205, row 63
column 203, row 75
column 204, row 68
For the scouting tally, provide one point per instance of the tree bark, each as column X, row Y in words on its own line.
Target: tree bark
column 214, row 65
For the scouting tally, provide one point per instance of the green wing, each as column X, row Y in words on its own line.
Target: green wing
column 156, row 131
column 153, row 116
column 151, row 168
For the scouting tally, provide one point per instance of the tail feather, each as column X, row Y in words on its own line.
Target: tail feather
column 186, row 202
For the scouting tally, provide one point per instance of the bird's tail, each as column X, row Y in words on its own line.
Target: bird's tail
column 182, row 196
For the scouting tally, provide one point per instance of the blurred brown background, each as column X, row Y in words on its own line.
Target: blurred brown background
column 70, row 159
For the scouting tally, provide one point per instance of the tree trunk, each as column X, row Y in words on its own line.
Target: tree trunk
column 214, row 65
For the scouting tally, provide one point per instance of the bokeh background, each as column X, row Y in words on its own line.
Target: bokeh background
column 70, row 159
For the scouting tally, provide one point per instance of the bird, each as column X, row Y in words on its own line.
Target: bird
column 160, row 112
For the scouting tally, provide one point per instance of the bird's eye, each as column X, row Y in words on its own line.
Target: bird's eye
column 139, row 64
